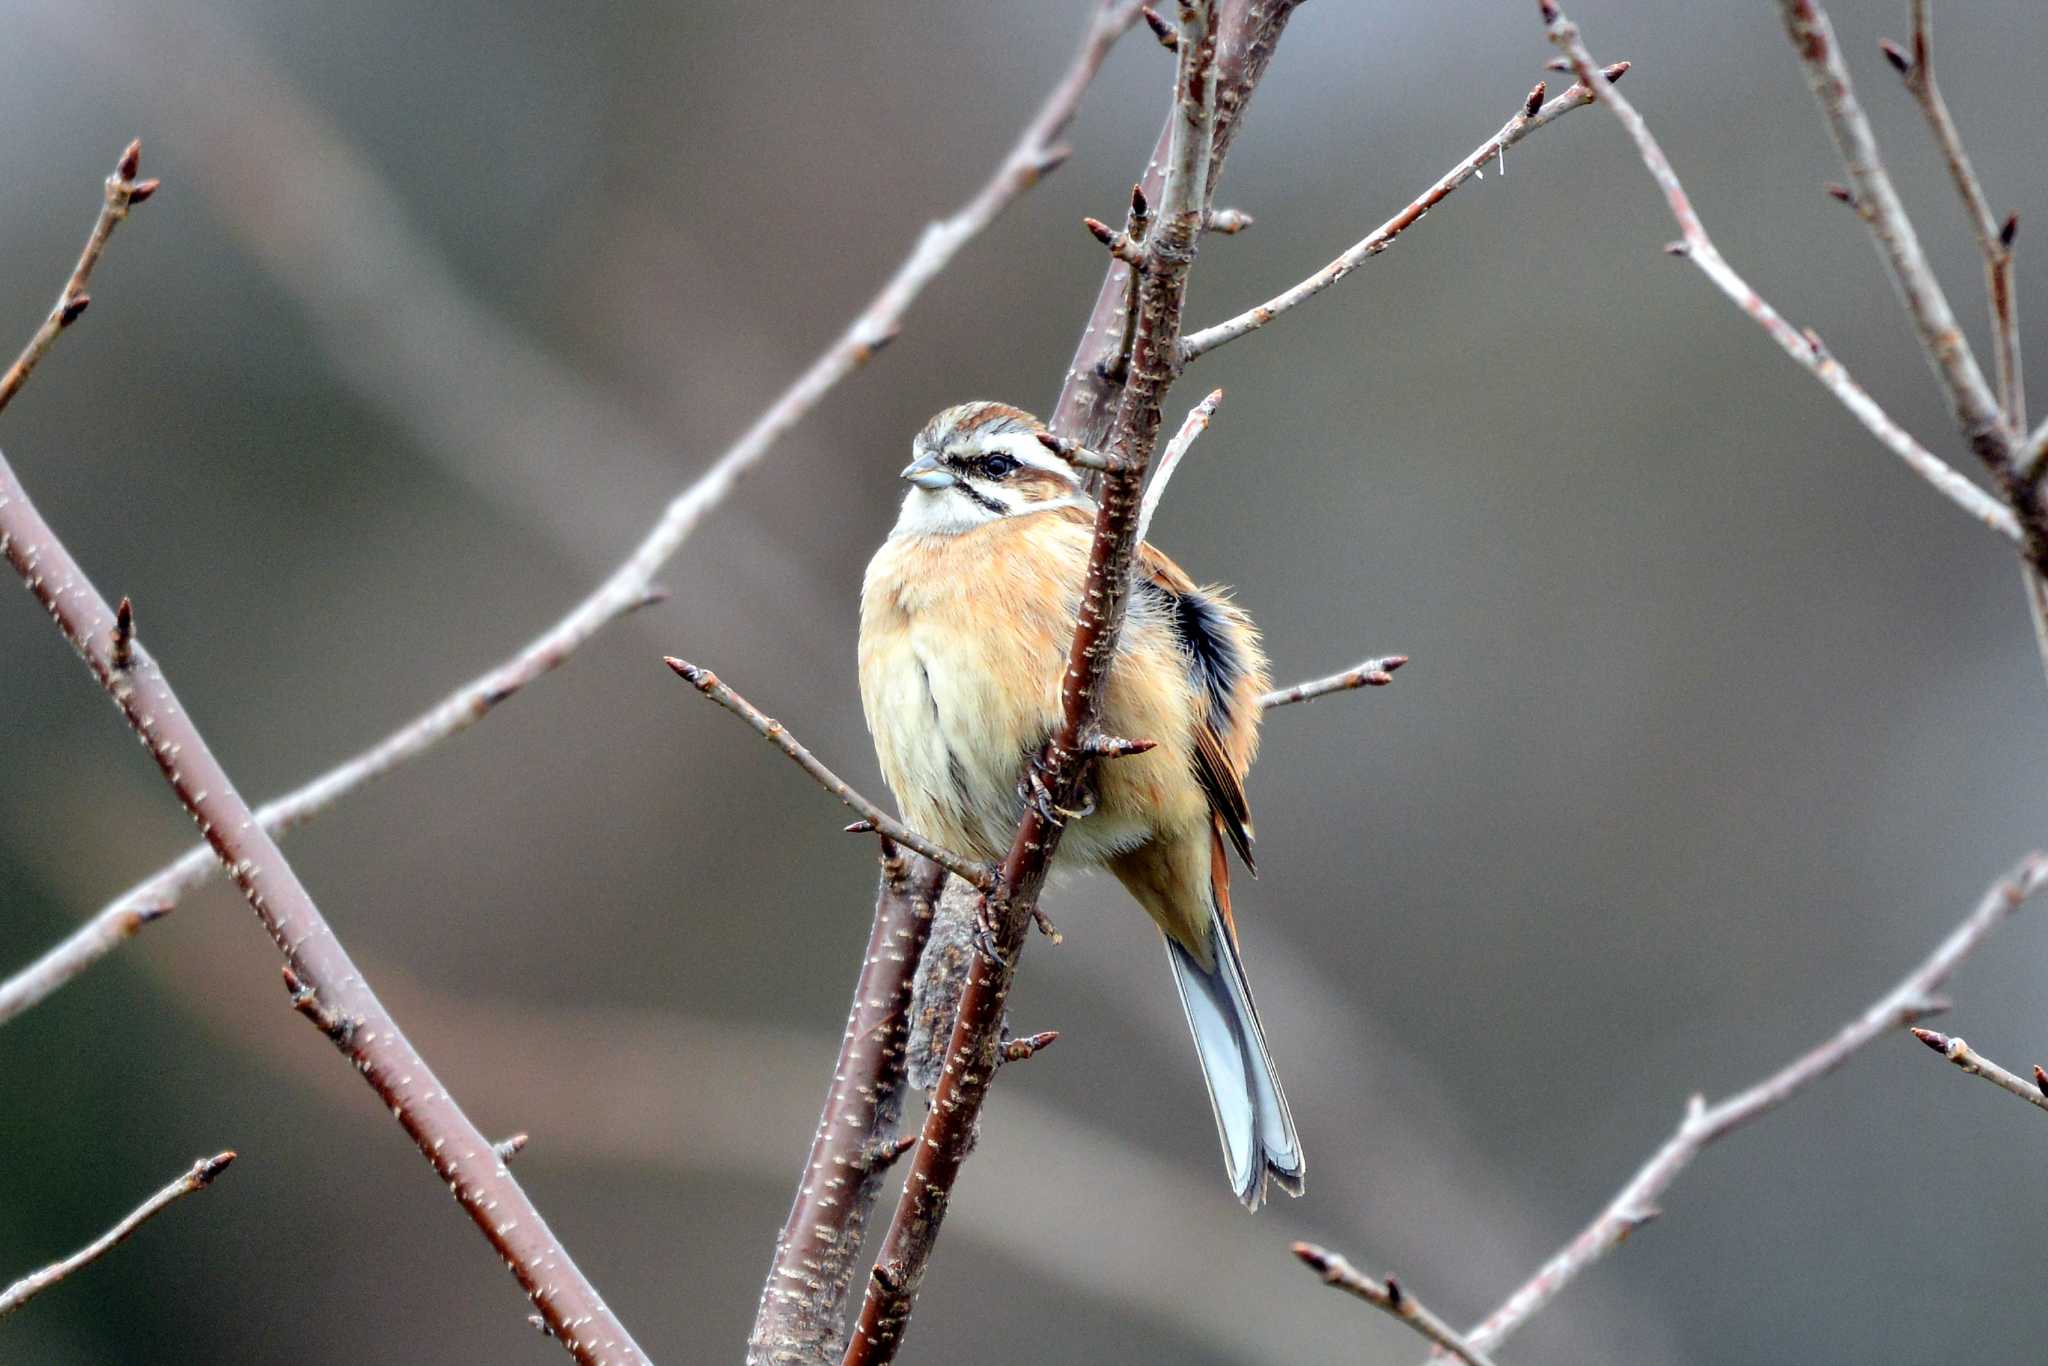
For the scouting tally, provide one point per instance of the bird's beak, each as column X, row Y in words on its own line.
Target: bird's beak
column 928, row 474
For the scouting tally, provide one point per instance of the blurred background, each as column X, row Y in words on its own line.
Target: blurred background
column 1717, row 719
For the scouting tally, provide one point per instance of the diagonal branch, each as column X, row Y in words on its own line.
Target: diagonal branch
column 1035, row 154
column 36, row 1282
column 1915, row 996
column 777, row 734
column 1373, row 673
column 1391, row 1297
column 331, row 988
column 1803, row 347
column 122, row 192
column 2034, row 1092
column 1533, row 115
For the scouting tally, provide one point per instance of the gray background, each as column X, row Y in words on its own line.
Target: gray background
column 1717, row 720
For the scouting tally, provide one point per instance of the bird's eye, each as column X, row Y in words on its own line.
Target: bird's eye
column 999, row 466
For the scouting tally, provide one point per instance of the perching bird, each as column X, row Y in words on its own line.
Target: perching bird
column 967, row 613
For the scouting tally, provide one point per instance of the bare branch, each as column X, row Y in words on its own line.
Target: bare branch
column 1392, row 1298
column 1977, row 1065
column 801, row 1319
column 1196, row 422
column 1034, row 155
column 776, row 734
column 1803, row 347
column 1992, row 239
column 122, row 192
column 1373, row 673
column 1636, row 1204
column 198, row 1179
column 1526, row 121
column 1878, row 204
column 1007, row 912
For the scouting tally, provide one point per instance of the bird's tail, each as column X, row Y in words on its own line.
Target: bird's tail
column 1251, row 1113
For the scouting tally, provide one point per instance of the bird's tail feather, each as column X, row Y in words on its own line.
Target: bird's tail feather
column 1251, row 1113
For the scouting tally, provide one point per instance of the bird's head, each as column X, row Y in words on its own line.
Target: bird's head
column 977, row 462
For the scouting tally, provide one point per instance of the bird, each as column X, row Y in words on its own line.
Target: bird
column 967, row 612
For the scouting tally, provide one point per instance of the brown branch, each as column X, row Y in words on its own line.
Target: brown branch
column 1171, row 241
column 1913, row 998
column 1391, row 1297
column 1093, row 386
column 1035, row 154
column 1533, row 115
column 801, row 1318
column 777, row 734
column 1373, row 673
column 331, row 983
column 122, row 192
column 1977, row 1065
column 198, row 1179
column 1803, row 347
column 1993, row 239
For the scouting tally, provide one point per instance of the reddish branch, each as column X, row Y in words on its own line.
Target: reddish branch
column 972, row 1054
column 1089, row 397
column 802, row 1316
column 331, row 988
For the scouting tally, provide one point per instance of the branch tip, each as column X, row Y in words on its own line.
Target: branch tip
column 73, row 307
column 509, row 1148
column 1104, row 746
column 1677, row 249
column 1163, row 31
column 131, row 160
column 142, row 190
column 1840, row 192
column 1535, row 100
column 2008, row 230
column 1019, row 1050
column 1934, row 1039
column 863, row 826
column 1616, row 71
column 1896, row 55
column 2040, row 1079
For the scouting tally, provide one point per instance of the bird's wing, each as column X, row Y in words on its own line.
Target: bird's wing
column 1221, row 653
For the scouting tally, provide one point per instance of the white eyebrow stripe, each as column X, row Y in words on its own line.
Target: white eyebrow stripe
column 1027, row 450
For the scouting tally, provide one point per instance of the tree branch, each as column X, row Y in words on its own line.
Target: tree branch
column 1993, row 239
column 1092, row 390
column 1803, row 347
column 1036, row 153
column 801, row 1318
column 332, row 984
column 776, row 734
column 198, row 1179
column 1977, row 1065
column 1533, row 115
column 1913, row 998
column 1392, row 1298
column 123, row 191
column 1373, row 673
column 1170, row 244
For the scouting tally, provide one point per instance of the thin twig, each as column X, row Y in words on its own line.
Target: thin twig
column 1035, row 154
column 801, row 1320
column 1803, row 347
column 1392, row 1297
column 1992, row 238
column 1977, row 1065
column 331, row 988
column 777, row 734
column 198, row 1179
column 1171, row 241
column 1196, row 422
column 1913, row 998
column 1373, row 673
column 1525, row 121
column 122, row 192
column 1976, row 407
